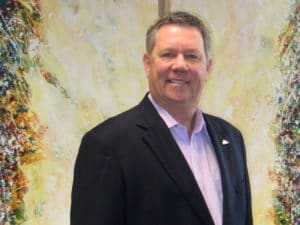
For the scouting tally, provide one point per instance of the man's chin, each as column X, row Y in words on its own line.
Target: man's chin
column 178, row 99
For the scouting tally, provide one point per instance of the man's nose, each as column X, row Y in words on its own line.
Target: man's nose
column 180, row 64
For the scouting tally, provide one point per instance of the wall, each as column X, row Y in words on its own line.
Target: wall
column 86, row 65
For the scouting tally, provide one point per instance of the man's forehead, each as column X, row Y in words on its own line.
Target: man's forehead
column 186, row 50
column 173, row 35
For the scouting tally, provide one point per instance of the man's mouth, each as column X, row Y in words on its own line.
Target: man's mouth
column 175, row 81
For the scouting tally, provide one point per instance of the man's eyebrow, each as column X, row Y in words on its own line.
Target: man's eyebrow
column 192, row 50
column 168, row 49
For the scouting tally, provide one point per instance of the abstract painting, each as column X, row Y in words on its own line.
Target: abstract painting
column 67, row 65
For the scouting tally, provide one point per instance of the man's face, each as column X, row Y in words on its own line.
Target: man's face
column 177, row 67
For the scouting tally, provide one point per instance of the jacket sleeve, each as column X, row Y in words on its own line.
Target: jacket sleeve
column 97, row 192
column 249, row 216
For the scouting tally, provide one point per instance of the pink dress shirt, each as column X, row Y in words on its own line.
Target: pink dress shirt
column 200, row 156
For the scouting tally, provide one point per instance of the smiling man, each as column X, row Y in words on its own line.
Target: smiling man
column 165, row 162
column 177, row 69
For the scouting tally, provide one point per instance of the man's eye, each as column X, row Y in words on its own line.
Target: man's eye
column 167, row 55
column 192, row 57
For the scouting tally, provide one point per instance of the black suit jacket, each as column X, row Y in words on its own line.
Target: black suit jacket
column 130, row 171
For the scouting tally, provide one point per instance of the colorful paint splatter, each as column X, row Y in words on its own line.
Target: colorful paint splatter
column 287, row 165
column 19, row 129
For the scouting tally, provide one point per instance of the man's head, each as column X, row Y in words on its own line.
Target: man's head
column 176, row 60
column 181, row 19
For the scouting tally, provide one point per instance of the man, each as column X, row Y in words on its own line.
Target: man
column 164, row 162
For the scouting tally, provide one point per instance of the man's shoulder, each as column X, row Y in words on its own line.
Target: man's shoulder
column 119, row 122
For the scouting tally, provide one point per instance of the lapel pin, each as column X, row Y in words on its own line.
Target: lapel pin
column 225, row 142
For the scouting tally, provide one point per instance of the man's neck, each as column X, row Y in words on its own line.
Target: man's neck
column 183, row 113
column 185, row 117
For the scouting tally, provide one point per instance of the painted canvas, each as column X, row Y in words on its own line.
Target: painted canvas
column 67, row 65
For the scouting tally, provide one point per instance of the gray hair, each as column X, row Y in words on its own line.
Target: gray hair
column 179, row 18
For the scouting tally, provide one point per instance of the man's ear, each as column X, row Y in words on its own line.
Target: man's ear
column 146, row 61
column 209, row 66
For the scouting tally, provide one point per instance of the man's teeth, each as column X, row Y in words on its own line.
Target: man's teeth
column 179, row 81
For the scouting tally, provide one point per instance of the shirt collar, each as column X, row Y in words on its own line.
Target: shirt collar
column 171, row 122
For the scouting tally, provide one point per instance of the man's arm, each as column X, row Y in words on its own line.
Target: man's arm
column 97, row 194
column 249, row 216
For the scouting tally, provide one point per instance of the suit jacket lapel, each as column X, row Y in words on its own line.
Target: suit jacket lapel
column 161, row 142
column 222, row 147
